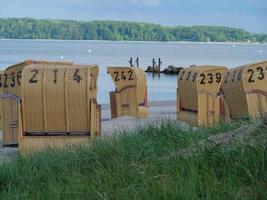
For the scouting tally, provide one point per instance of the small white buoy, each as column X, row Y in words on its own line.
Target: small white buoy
column 89, row 51
column 233, row 45
column 61, row 57
column 260, row 51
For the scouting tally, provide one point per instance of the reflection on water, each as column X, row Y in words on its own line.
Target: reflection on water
column 161, row 86
column 156, row 75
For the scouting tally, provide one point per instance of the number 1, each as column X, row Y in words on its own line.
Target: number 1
column 55, row 76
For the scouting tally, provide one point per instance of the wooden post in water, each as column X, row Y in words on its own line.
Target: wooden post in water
column 137, row 62
column 153, row 63
column 159, row 63
column 131, row 62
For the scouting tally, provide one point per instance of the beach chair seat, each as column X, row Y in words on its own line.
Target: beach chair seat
column 130, row 96
column 245, row 90
column 198, row 95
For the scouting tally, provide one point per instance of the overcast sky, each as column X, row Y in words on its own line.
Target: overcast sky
column 248, row 14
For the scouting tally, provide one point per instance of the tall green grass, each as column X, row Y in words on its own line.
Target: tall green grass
column 146, row 163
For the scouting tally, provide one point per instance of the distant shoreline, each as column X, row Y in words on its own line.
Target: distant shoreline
column 29, row 28
column 130, row 41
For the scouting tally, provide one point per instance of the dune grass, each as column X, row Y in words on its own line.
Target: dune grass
column 146, row 163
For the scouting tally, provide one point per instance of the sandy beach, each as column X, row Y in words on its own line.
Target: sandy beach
column 158, row 111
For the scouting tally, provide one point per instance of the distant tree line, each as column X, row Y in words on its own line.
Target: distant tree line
column 28, row 28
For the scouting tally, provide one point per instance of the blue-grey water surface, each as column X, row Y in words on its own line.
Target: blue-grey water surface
column 105, row 53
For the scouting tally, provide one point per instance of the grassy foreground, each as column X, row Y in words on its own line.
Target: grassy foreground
column 148, row 163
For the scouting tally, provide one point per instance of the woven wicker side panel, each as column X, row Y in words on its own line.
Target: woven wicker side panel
column 32, row 98
column 92, row 88
column 77, row 99
column 10, row 122
column 12, row 79
column 122, row 76
column 95, row 119
column 54, row 98
column 11, row 83
column 234, row 92
column 211, row 80
column 188, row 89
column 1, row 101
column 195, row 80
column 6, row 120
column 131, row 90
column 113, row 105
column 263, row 103
column 93, row 81
column 245, row 90
column 141, row 87
column 255, row 86
column 128, row 102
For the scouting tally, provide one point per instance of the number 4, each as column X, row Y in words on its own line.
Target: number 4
column 123, row 76
column 76, row 76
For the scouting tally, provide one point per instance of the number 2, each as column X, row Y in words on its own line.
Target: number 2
column 33, row 80
column 203, row 79
column 250, row 79
column 181, row 77
column 116, row 76
column 130, row 75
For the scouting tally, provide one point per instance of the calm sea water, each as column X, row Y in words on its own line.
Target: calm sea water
column 105, row 54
